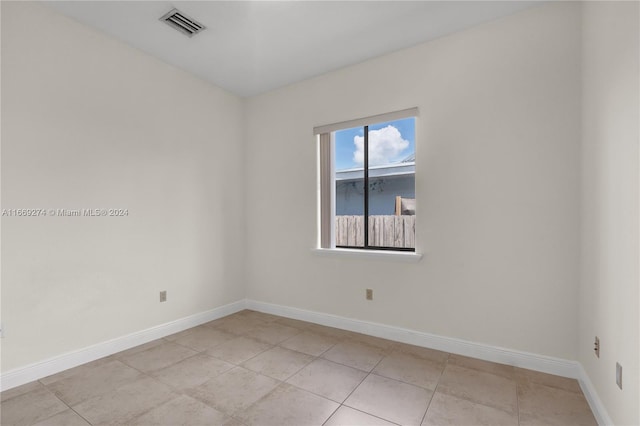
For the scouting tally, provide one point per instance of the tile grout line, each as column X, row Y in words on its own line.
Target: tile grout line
column 391, row 350
column 152, row 408
column 446, row 363
column 362, row 381
column 332, row 413
column 316, row 358
column 68, row 406
column 354, row 389
column 81, row 416
column 281, row 382
column 387, row 352
column 364, row 412
column 208, row 348
column 517, row 402
column 143, row 374
column 343, row 339
column 182, row 392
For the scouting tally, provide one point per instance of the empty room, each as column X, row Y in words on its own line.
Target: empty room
column 320, row 213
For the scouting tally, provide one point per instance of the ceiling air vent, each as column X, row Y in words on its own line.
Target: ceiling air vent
column 182, row 23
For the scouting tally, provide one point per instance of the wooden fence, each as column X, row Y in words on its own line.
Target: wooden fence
column 384, row 231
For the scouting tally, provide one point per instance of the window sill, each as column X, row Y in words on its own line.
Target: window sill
column 369, row 254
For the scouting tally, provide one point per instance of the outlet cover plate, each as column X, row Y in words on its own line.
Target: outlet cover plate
column 619, row 375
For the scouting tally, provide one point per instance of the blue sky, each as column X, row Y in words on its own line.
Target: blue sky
column 389, row 142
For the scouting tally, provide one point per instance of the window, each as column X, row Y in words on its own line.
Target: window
column 367, row 183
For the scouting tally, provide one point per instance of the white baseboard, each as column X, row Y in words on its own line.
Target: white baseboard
column 546, row 364
column 599, row 411
column 38, row 370
column 542, row 363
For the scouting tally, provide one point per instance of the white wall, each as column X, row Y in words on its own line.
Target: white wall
column 88, row 122
column 609, row 275
column 497, row 186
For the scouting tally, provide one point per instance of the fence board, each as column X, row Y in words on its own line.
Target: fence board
column 351, row 231
column 384, row 231
column 410, row 232
column 388, row 232
column 398, row 231
column 360, row 232
column 341, row 230
column 378, row 235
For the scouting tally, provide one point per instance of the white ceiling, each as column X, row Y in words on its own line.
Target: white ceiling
column 250, row 47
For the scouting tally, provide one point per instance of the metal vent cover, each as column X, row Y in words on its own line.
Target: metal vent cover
column 183, row 23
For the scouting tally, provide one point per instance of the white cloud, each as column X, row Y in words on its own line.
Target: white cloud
column 385, row 146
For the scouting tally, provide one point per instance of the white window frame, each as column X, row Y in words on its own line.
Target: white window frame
column 326, row 188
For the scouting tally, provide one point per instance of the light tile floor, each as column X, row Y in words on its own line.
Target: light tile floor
column 252, row 368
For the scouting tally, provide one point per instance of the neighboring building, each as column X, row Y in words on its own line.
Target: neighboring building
column 385, row 183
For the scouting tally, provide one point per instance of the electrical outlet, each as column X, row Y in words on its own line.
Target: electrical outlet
column 369, row 294
column 619, row 375
column 596, row 347
column 163, row 296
